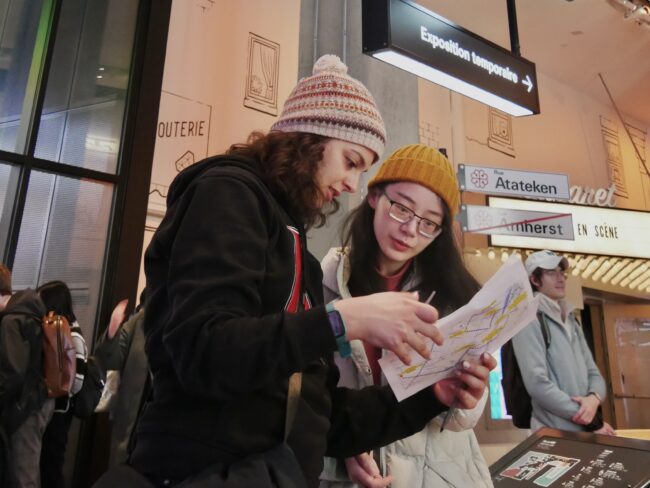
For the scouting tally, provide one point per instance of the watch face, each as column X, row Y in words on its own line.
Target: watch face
column 336, row 323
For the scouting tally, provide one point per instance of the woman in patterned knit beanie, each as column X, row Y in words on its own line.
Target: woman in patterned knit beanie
column 401, row 238
column 238, row 339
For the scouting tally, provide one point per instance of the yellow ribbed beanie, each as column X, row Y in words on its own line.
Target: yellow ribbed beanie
column 425, row 165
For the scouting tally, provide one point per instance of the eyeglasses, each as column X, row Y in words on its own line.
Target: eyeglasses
column 402, row 214
column 556, row 273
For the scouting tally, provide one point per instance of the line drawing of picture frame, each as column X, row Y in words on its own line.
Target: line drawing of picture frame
column 262, row 77
column 500, row 136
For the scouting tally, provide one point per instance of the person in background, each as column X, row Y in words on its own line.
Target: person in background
column 121, row 353
column 235, row 308
column 25, row 409
column 401, row 237
column 57, row 298
column 563, row 381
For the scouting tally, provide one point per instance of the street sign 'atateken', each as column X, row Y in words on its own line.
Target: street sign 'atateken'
column 407, row 35
column 535, row 184
column 506, row 221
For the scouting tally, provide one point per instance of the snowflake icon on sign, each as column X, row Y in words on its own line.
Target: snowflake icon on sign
column 479, row 178
column 483, row 219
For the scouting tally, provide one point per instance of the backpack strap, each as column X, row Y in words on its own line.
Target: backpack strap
column 295, row 384
column 546, row 333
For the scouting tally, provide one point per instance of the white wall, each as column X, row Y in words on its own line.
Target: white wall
column 205, row 83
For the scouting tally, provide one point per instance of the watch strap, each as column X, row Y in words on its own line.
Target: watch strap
column 338, row 329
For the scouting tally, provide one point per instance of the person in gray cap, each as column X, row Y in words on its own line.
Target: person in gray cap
column 562, row 379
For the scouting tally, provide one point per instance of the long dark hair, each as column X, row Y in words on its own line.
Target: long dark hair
column 56, row 297
column 439, row 267
column 289, row 162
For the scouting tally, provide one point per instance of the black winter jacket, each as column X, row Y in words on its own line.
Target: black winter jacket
column 22, row 389
column 221, row 346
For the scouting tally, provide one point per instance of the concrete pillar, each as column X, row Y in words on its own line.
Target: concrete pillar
column 396, row 91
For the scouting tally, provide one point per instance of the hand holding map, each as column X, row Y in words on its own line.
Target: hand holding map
column 503, row 307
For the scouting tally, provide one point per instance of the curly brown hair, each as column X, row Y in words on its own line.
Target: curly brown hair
column 289, row 162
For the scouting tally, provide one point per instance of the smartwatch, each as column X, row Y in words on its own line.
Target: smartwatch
column 338, row 328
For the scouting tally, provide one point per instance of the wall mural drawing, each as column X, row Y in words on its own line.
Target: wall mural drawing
column 185, row 160
column 638, row 139
column 205, row 4
column 500, row 136
column 614, row 156
column 262, row 77
column 182, row 138
column 429, row 134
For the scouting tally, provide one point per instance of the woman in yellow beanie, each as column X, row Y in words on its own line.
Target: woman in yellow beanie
column 401, row 238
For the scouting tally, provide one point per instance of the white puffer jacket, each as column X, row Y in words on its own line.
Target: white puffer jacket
column 430, row 458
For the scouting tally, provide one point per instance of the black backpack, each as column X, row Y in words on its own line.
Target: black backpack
column 517, row 399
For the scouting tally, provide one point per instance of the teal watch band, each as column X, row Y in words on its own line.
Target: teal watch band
column 338, row 328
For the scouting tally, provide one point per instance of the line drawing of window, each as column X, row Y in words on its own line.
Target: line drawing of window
column 500, row 135
column 614, row 156
column 262, row 77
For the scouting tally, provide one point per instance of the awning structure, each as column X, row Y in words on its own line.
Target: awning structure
column 611, row 274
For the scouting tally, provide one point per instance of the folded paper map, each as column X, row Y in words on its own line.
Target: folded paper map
column 499, row 310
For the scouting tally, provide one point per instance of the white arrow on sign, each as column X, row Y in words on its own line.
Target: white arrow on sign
column 526, row 81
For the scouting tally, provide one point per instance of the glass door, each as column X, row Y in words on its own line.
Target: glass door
column 627, row 330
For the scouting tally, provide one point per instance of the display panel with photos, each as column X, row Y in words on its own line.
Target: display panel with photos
column 553, row 458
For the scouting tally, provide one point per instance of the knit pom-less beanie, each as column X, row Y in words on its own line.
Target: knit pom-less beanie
column 333, row 104
column 424, row 165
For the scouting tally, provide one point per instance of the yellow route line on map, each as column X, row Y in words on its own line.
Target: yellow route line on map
column 517, row 301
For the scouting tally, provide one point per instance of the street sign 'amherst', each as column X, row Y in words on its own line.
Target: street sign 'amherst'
column 409, row 36
column 511, row 182
column 505, row 221
column 598, row 230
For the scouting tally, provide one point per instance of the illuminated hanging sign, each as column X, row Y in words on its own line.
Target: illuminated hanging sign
column 500, row 181
column 513, row 222
column 597, row 230
column 417, row 40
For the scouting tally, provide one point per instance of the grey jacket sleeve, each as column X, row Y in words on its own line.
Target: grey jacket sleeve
column 596, row 381
column 530, row 351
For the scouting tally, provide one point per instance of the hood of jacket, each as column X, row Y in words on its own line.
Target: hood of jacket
column 25, row 302
column 558, row 310
column 183, row 180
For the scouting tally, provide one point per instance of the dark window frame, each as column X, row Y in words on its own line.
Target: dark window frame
column 121, row 265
